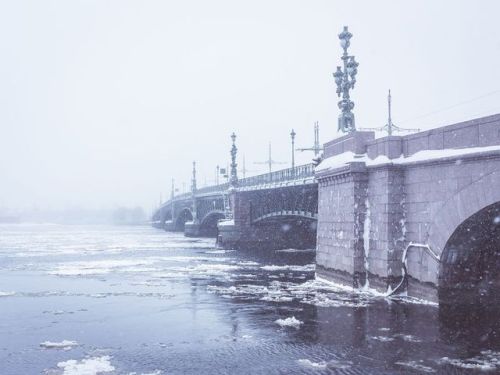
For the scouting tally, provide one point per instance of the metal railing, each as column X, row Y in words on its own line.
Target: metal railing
column 283, row 175
column 213, row 188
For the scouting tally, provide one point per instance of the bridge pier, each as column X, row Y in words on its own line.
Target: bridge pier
column 192, row 229
column 169, row 226
column 271, row 219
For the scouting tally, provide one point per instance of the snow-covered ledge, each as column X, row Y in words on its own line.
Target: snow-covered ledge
column 346, row 158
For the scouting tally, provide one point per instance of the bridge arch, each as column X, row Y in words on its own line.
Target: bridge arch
column 184, row 216
column 285, row 216
column 208, row 225
column 465, row 234
column 480, row 194
column 470, row 263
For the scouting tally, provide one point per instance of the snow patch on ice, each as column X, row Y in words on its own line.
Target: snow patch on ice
column 382, row 338
column 309, row 363
column 218, row 251
column 7, row 294
column 289, row 322
column 305, row 268
column 87, row 366
column 296, row 251
column 65, row 344
column 415, row 366
column 97, row 267
column 408, row 338
column 487, row 361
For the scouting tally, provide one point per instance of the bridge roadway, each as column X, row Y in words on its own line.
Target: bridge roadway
column 418, row 214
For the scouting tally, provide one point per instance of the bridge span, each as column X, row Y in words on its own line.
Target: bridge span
column 272, row 210
column 418, row 214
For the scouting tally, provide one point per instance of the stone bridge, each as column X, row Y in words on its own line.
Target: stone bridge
column 273, row 210
column 419, row 212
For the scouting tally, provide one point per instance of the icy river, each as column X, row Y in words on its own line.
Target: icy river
column 137, row 300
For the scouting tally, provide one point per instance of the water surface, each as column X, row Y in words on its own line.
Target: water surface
column 137, row 300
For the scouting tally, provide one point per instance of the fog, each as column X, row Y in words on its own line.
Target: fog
column 103, row 102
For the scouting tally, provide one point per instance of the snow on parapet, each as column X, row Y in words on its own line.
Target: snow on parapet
column 339, row 161
column 342, row 160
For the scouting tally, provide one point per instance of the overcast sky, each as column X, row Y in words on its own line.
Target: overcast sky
column 103, row 102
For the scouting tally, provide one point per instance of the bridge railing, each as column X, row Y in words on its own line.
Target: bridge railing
column 289, row 174
column 283, row 175
column 212, row 189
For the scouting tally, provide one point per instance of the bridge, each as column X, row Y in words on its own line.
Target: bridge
column 418, row 214
column 272, row 210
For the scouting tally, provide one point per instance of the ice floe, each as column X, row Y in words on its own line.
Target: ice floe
column 64, row 344
column 382, row 338
column 331, row 364
column 87, row 366
column 7, row 294
column 487, row 361
column 408, row 338
column 96, row 267
column 296, row 251
column 310, row 292
column 305, row 268
column 415, row 366
column 218, row 251
column 309, row 363
column 289, row 322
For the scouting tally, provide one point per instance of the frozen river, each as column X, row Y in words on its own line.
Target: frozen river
column 136, row 300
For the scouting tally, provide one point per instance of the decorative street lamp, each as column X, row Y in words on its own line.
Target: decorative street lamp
column 234, row 171
column 293, row 134
column 345, row 80
column 193, row 181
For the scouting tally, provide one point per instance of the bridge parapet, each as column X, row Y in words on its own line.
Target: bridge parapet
column 283, row 175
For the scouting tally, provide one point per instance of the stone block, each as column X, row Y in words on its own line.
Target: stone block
column 461, row 137
column 489, row 133
column 436, row 140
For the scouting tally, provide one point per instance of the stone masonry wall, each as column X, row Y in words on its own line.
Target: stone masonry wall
column 386, row 202
column 365, row 223
column 341, row 218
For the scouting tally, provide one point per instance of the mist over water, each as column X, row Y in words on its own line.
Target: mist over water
column 124, row 300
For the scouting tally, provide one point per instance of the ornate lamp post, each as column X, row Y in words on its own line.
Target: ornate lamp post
column 234, row 171
column 292, row 135
column 345, row 80
column 193, row 181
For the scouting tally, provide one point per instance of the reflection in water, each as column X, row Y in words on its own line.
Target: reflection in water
column 145, row 301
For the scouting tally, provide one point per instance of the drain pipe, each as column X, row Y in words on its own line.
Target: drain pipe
column 405, row 265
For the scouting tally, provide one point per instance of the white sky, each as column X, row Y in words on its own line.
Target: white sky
column 102, row 102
